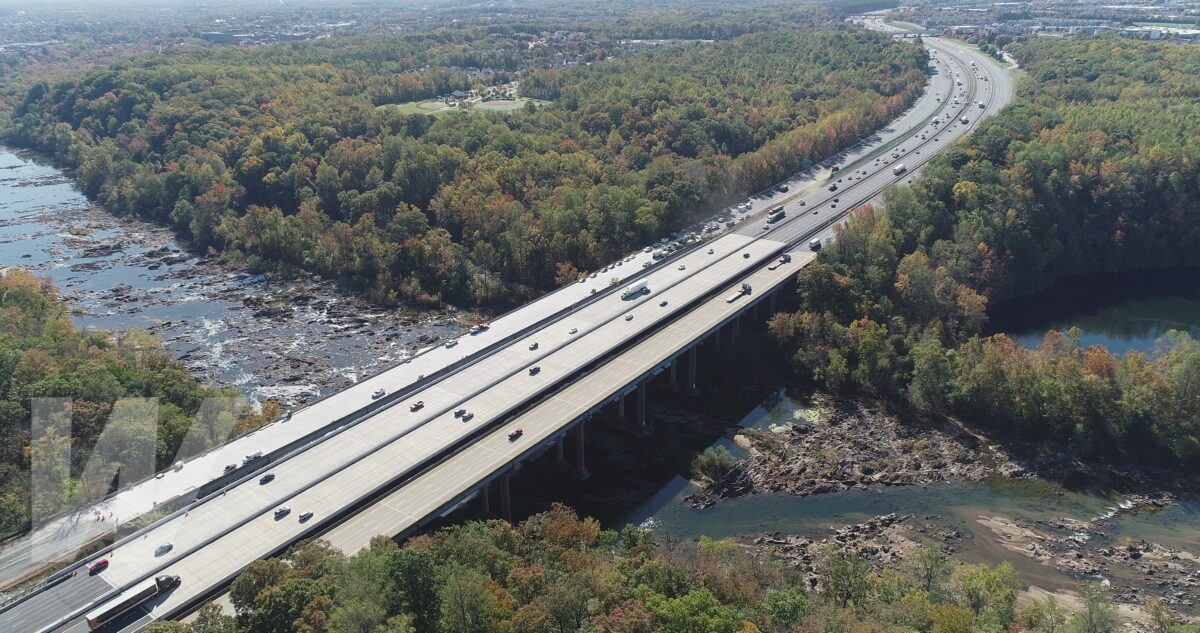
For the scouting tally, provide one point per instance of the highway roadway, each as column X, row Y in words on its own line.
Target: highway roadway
column 218, row 537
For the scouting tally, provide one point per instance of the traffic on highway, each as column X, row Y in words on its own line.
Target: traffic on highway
column 320, row 485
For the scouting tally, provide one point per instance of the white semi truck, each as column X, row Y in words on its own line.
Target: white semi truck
column 636, row 290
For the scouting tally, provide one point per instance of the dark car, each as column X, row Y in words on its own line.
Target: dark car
column 267, row 478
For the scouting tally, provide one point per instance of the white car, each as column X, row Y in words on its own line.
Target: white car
column 378, row 394
column 450, row 343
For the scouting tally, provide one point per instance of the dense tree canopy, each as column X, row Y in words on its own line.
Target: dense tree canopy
column 557, row 573
column 280, row 157
column 42, row 355
column 1093, row 169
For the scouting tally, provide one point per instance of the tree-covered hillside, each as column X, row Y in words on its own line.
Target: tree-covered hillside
column 42, row 355
column 280, row 157
column 557, row 573
column 1095, row 168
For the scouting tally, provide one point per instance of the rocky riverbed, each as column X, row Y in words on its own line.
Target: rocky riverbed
column 1085, row 550
column 836, row 445
column 1132, row 571
column 290, row 339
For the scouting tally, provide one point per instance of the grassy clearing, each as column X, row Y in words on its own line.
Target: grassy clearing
column 436, row 107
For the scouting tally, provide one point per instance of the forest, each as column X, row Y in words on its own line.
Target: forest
column 1093, row 169
column 557, row 573
column 43, row 355
column 288, row 157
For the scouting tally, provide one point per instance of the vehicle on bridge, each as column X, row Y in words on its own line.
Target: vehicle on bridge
column 743, row 291
column 378, row 394
column 636, row 290
column 127, row 600
column 512, row 437
column 98, row 566
column 899, row 169
column 417, row 406
column 777, row 214
column 814, row 245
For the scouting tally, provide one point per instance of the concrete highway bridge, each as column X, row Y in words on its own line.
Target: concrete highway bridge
column 386, row 467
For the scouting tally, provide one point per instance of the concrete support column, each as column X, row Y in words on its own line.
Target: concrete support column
column 673, row 373
column 621, row 407
column 580, row 458
column 717, row 339
column 691, row 372
column 771, row 303
column 505, row 498
column 560, row 461
column 641, row 406
column 485, row 500
column 733, row 332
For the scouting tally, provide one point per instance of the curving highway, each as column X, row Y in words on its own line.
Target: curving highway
column 398, row 466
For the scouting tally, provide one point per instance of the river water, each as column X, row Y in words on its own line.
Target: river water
column 1123, row 312
column 291, row 340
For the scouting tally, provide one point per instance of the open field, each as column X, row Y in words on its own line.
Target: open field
column 438, row 107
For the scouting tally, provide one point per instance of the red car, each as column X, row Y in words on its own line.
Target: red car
column 98, row 566
column 512, row 437
column 417, row 406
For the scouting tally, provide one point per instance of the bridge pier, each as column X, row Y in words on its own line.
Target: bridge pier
column 771, row 303
column 581, row 471
column 717, row 339
column 673, row 373
column 485, row 500
column 691, row 371
column 621, row 407
column 641, row 409
column 505, row 498
column 560, row 461
column 733, row 332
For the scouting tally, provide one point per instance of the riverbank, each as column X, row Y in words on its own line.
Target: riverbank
column 1132, row 572
column 830, row 445
column 819, row 472
column 288, row 339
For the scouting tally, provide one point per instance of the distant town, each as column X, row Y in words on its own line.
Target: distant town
column 1175, row 20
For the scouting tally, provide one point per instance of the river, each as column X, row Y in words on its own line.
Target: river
column 1123, row 312
column 291, row 340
